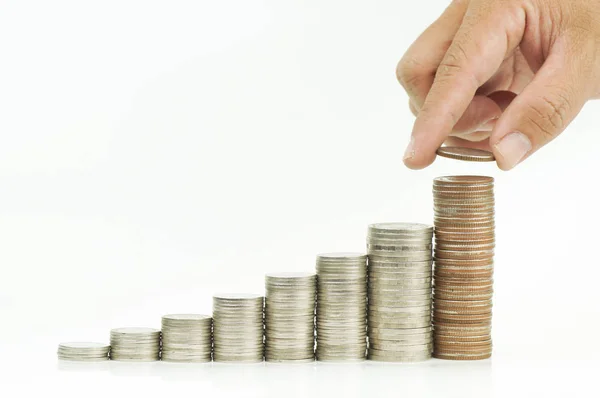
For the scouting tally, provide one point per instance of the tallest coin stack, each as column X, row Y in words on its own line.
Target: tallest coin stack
column 464, row 252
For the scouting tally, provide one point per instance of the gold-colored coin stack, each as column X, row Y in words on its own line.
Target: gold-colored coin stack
column 464, row 267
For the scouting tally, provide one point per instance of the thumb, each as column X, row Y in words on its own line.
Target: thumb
column 542, row 111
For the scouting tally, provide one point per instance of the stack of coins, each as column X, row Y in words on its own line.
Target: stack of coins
column 290, row 317
column 83, row 351
column 399, row 292
column 135, row 344
column 463, row 276
column 186, row 338
column 238, row 328
column 341, row 306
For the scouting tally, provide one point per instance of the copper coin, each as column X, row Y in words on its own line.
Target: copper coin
column 463, row 199
column 464, row 225
column 466, row 345
column 479, row 282
column 468, row 218
column 459, row 353
column 464, row 284
column 464, row 209
column 465, row 288
column 465, row 337
column 441, row 288
column 463, row 179
column 442, row 240
column 449, row 271
column 472, row 295
column 463, row 202
column 457, row 357
column 464, row 255
column 474, row 262
column 448, row 340
column 468, row 222
column 441, row 264
column 459, row 182
column 442, row 327
column 472, row 221
column 462, row 318
column 465, row 274
column 464, row 239
column 463, row 348
column 461, row 296
column 466, row 247
column 475, row 310
column 466, row 154
column 449, row 222
column 465, row 192
column 463, row 314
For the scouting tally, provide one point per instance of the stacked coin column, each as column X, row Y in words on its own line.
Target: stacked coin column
column 238, row 327
column 399, row 292
column 341, row 306
column 186, row 338
column 77, row 351
column 463, row 276
column 290, row 317
column 135, row 344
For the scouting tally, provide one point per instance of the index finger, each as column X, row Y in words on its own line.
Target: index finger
column 416, row 70
column 489, row 31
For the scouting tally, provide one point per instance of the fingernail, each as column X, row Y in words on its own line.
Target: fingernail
column 513, row 148
column 410, row 149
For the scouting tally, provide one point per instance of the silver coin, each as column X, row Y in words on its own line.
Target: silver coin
column 375, row 355
column 341, row 256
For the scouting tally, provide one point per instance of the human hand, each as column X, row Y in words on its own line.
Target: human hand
column 503, row 75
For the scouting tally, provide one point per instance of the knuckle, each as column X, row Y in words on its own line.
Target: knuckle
column 450, row 70
column 413, row 108
column 456, row 65
column 549, row 115
column 430, row 113
column 460, row 52
column 408, row 73
column 447, row 69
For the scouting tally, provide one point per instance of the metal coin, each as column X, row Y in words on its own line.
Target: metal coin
column 466, row 154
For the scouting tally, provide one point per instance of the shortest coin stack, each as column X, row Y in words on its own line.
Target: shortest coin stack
column 135, row 344
column 290, row 316
column 186, row 338
column 238, row 327
column 83, row 351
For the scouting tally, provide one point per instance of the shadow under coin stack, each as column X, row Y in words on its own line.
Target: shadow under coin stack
column 186, row 338
column 341, row 307
column 290, row 317
column 238, row 328
column 463, row 276
column 81, row 351
column 135, row 344
column 399, row 292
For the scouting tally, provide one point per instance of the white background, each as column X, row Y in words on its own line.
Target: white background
column 153, row 153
